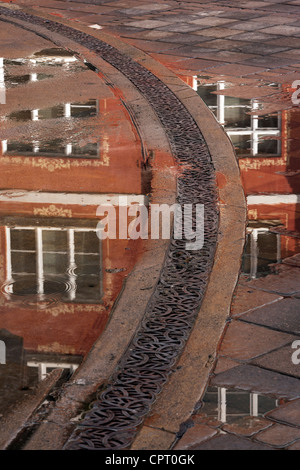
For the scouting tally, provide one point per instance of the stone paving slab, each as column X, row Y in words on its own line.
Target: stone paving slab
column 223, row 364
column 245, row 341
column 246, row 299
column 281, row 315
column 257, row 380
column 293, row 260
column 229, row 442
column 288, row 413
column 247, row 426
column 286, row 282
column 280, row 361
column 194, row 436
column 13, row 424
column 279, row 435
column 253, row 36
column 295, row 446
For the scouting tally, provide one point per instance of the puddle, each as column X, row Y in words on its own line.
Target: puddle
column 68, row 110
column 51, row 148
column 66, row 144
column 231, row 406
column 266, row 143
column 17, row 80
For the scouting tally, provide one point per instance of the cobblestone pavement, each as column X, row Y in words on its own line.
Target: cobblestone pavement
column 253, row 398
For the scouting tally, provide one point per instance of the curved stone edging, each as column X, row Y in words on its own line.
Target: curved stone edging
column 174, row 271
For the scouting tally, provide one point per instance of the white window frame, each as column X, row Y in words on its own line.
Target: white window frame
column 44, row 366
column 254, row 232
column 39, row 256
column 68, row 147
column 254, row 131
column 222, row 404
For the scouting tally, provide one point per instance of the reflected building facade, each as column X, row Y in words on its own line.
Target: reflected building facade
column 59, row 280
column 268, row 157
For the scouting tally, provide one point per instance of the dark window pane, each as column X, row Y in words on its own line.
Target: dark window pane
column 19, row 147
column 206, row 94
column 55, row 263
column 23, row 262
column 87, row 264
column 88, row 150
column 268, row 122
column 51, row 113
column 24, row 115
column 25, row 285
column 268, row 146
column 242, row 144
column 235, row 101
column 237, row 117
column 267, row 246
column 14, row 80
column 82, row 110
column 55, row 240
column 87, row 242
column 22, row 240
column 52, row 148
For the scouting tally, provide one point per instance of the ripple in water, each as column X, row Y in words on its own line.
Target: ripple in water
column 27, row 292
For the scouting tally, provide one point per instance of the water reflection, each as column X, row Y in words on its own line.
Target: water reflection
column 51, row 148
column 59, row 159
column 24, row 369
column 230, row 405
column 68, row 110
column 250, row 133
column 37, row 256
column 267, row 149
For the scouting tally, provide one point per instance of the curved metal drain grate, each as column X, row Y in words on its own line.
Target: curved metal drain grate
column 114, row 418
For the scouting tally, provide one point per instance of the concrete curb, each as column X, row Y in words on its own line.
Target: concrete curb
column 185, row 387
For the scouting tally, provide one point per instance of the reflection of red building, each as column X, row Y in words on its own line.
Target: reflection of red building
column 272, row 188
column 267, row 147
column 49, row 250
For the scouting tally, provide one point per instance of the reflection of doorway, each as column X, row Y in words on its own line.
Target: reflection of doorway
column 262, row 248
column 37, row 256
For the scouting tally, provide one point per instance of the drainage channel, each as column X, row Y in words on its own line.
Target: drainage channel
column 119, row 410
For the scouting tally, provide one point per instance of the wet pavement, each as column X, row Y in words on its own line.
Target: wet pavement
column 62, row 132
column 243, row 62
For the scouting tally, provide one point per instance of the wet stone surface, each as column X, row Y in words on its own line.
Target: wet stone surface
column 166, row 334
column 62, row 129
column 243, row 64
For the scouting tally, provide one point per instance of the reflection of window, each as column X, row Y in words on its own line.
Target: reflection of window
column 55, row 147
column 251, row 135
column 262, row 249
column 68, row 110
column 44, row 368
column 51, row 148
column 38, row 257
column 227, row 405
